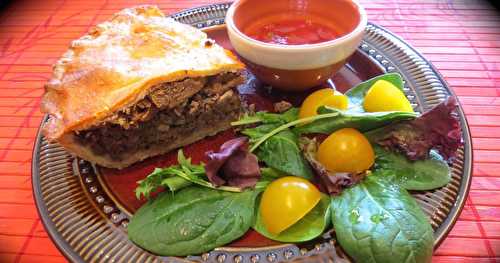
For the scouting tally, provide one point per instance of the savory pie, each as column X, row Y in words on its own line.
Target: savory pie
column 140, row 85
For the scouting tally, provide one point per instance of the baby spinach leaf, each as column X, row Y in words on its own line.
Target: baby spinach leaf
column 309, row 227
column 363, row 121
column 257, row 132
column 270, row 174
column 282, row 152
column 357, row 94
column 414, row 175
column 192, row 221
column 378, row 221
column 267, row 175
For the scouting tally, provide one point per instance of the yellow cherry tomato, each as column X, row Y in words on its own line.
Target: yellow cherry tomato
column 328, row 97
column 285, row 201
column 384, row 96
column 346, row 151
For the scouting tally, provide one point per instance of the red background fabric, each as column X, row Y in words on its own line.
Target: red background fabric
column 461, row 38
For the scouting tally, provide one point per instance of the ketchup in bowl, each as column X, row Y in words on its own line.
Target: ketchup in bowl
column 292, row 29
column 295, row 45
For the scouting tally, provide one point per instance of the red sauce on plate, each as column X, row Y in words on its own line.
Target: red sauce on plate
column 292, row 29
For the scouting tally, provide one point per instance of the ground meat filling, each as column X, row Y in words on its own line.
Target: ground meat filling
column 168, row 113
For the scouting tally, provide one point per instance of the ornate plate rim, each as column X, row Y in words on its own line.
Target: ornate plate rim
column 439, row 234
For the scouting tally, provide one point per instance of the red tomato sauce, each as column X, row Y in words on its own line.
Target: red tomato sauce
column 292, row 29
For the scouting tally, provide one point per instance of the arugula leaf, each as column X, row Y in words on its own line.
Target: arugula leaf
column 363, row 121
column 186, row 164
column 159, row 178
column 194, row 220
column 312, row 225
column 357, row 94
column 414, row 175
column 282, row 152
column 377, row 221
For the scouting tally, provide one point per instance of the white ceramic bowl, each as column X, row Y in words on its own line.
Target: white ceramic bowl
column 296, row 67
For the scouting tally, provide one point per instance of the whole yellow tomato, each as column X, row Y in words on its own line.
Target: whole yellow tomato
column 384, row 96
column 322, row 97
column 285, row 201
column 346, row 150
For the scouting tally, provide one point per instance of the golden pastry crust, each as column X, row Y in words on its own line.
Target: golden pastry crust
column 117, row 62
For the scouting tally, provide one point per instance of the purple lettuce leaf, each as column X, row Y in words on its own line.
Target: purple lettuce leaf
column 233, row 165
column 436, row 129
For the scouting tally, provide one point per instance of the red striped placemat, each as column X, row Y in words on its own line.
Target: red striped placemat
column 461, row 38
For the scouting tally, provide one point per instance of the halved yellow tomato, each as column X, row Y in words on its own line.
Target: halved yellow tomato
column 384, row 96
column 346, row 151
column 285, row 201
column 327, row 97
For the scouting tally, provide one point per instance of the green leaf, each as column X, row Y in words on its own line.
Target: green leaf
column 378, row 221
column 267, row 118
column 282, row 152
column 155, row 180
column 309, row 227
column 257, row 132
column 192, row 221
column 357, row 94
column 175, row 183
column 267, row 175
column 363, row 121
column 285, row 117
column 414, row 175
column 270, row 174
column 185, row 163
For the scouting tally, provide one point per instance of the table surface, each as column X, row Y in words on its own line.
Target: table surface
column 461, row 38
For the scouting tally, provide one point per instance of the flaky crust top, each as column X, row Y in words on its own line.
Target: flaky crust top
column 115, row 64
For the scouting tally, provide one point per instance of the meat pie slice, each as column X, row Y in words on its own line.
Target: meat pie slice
column 140, row 85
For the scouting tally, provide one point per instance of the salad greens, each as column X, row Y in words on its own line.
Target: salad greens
column 279, row 151
column 377, row 221
column 203, row 218
column 414, row 175
column 309, row 227
column 375, row 218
